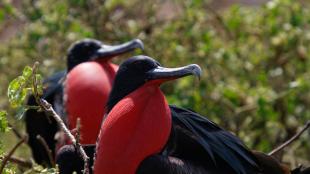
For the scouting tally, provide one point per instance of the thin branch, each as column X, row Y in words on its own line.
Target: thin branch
column 288, row 142
column 85, row 159
column 78, row 129
column 78, row 136
column 51, row 112
column 8, row 156
column 246, row 108
column 19, row 161
column 15, row 131
column 47, row 149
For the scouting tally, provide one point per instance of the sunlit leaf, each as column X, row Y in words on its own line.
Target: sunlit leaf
column 20, row 87
column 3, row 121
column 39, row 84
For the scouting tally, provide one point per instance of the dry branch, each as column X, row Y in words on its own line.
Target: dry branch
column 288, row 142
column 11, row 152
column 15, row 131
column 47, row 149
column 19, row 161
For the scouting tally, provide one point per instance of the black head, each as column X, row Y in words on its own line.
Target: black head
column 69, row 160
column 91, row 49
column 138, row 70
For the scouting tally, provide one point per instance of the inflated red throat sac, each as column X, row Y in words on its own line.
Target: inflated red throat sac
column 86, row 92
column 139, row 125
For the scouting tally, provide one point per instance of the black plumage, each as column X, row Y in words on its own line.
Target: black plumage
column 200, row 140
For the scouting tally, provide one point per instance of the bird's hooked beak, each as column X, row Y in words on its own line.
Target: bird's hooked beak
column 173, row 73
column 114, row 50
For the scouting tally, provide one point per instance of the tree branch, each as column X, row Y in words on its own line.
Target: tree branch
column 47, row 149
column 288, row 142
column 15, row 131
column 8, row 156
column 19, row 161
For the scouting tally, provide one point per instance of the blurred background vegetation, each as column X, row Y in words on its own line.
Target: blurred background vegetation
column 255, row 58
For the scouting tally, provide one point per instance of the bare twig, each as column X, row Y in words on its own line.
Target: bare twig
column 78, row 129
column 47, row 149
column 85, row 159
column 51, row 112
column 8, row 156
column 288, row 142
column 19, row 161
column 246, row 108
column 78, row 134
column 15, row 131
column 48, row 109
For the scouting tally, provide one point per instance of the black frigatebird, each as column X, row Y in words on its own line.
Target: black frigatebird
column 195, row 145
column 142, row 134
column 37, row 123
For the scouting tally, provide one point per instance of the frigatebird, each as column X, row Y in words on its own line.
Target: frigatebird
column 195, row 145
column 143, row 134
column 37, row 123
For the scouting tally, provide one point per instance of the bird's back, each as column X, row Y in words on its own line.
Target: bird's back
column 199, row 140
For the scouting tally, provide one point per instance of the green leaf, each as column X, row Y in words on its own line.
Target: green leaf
column 3, row 121
column 39, row 84
column 20, row 87
column 20, row 112
column 27, row 72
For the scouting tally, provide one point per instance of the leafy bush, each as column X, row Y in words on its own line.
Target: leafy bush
column 255, row 59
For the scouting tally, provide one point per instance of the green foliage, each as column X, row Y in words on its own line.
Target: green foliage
column 39, row 169
column 20, row 87
column 3, row 121
column 255, row 61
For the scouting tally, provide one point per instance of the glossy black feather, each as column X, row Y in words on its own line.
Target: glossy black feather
column 209, row 144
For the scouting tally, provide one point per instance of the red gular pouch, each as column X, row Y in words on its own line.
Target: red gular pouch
column 138, row 126
column 86, row 92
